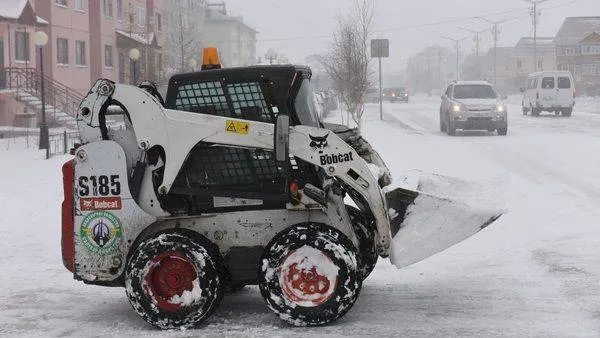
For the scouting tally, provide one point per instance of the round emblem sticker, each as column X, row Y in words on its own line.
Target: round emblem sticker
column 101, row 232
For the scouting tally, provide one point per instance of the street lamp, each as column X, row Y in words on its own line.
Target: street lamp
column 40, row 39
column 134, row 55
column 193, row 64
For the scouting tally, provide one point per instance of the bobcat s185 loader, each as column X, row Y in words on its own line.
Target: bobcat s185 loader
column 233, row 180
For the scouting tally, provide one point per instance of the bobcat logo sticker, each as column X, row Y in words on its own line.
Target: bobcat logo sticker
column 318, row 142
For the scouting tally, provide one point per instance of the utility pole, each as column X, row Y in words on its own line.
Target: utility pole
column 495, row 33
column 534, row 14
column 477, row 39
column 457, row 42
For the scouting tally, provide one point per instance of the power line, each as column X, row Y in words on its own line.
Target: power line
column 399, row 28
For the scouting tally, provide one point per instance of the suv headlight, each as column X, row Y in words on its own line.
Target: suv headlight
column 501, row 108
column 457, row 108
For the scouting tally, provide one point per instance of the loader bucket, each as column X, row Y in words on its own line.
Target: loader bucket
column 430, row 213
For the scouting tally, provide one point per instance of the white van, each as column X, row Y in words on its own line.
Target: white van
column 550, row 91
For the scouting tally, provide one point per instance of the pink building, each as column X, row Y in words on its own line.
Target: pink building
column 87, row 40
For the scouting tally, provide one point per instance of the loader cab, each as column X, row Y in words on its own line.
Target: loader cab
column 257, row 93
column 219, row 178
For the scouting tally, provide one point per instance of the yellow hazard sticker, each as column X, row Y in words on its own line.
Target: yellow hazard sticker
column 237, row 127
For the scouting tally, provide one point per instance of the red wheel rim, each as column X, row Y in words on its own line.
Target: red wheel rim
column 308, row 277
column 170, row 275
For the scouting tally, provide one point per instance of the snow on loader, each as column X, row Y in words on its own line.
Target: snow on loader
column 232, row 180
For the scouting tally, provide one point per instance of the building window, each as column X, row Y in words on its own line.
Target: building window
column 159, row 21
column 590, row 49
column 159, row 62
column 141, row 16
column 107, row 6
column 540, row 63
column 570, row 51
column 80, row 53
column 80, row 5
column 108, row 56
column 62, row 3
column 120, row 10
column 519, row 64
column 21, row 46
column 62, row 51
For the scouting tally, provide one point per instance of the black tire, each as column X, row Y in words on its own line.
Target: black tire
column 283, row 294
column 525, row 110
column 451, row 128
column 365, row 231
column 169, row 264
column 535, row 111
column 567, row 112
column 503, row 131
column 442, row 124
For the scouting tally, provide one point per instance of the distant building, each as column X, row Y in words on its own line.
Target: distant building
column 503, row 77
column 431, row 70
column 235, row 40
column 184, row 31
column 522, row 58
column 578, row 50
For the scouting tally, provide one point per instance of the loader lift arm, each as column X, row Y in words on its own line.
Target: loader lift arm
column 177, row 132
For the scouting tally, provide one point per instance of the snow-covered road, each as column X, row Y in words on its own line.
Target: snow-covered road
column 533, row 273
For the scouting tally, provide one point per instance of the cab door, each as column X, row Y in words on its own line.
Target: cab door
column 547, row 91
column 564, row 91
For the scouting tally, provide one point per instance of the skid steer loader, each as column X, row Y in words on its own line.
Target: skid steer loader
column 232, row 180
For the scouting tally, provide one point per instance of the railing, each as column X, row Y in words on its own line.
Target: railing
column 60, row 143
column 56, row 94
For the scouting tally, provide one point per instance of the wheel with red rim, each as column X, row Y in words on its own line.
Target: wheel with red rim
column 173, row 281
column 310, row 275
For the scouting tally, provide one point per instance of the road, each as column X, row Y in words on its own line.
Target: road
column 533, row 273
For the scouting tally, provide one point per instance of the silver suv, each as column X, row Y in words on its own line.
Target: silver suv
column 472, row 105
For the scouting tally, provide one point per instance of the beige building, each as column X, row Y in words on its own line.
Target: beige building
column 578, row 51
column 235, row 40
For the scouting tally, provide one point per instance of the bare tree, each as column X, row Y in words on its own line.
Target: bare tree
column 184, row 41
column 348, row 61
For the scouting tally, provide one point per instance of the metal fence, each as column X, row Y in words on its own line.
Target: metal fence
column 60, row 143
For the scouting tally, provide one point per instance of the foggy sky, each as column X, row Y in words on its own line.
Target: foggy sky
column 291, row 19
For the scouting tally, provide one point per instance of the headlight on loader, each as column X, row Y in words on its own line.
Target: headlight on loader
column 500, row 108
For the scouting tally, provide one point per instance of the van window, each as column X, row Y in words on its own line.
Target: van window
column 548, row 83
column 564, row 82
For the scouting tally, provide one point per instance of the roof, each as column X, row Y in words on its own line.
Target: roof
column 13, row 10
column 501, row 51
column 575, row 29
column 143, row 38
column 473, row 83
column 217, row 16
column 545, row 46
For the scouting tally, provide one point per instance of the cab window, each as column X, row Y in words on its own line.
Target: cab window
column 244, row 100
column 564, row 82
column 548, row 83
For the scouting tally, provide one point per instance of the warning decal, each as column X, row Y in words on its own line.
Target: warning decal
column 237, row 127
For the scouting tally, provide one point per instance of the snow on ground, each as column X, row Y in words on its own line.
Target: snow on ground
column 533, row 273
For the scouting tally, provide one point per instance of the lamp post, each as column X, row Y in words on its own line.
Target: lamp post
column 40, row 39
column 134, row 55
column 193, row 64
